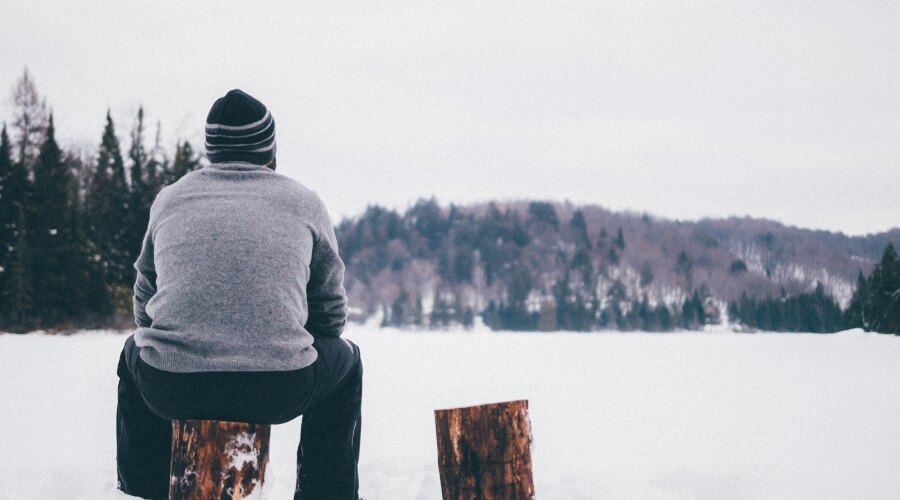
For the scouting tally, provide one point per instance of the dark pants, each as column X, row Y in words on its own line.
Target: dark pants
column 327, row 393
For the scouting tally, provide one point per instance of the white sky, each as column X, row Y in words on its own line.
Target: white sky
column 785, row 110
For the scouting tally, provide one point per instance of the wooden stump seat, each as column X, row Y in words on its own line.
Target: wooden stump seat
column 217, row 460
column 484, row 452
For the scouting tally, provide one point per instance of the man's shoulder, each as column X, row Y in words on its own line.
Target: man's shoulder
column 297, row 187
column 307, row 198
column 169, row 190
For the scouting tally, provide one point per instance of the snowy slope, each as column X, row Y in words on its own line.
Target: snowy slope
column 683, row 416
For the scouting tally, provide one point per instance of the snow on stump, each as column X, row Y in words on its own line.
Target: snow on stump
column 217, row 460
column 484, row 452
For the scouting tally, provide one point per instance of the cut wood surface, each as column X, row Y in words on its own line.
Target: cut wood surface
column 217, row 460
column 484, row 452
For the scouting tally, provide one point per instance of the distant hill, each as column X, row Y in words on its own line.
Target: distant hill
column 435, row 262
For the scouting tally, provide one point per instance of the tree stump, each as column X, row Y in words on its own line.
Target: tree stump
column 217, row 460
column 484, row 452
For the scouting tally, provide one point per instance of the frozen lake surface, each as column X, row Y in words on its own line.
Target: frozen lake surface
column 614, row 415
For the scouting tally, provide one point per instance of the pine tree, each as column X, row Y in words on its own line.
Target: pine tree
column 646, row 277
column 612, row 257
column 620, row 239
column 140, row 192
column 856, row 315
column 400, row 309
column 7, row 209
column 8, row 216
column 616, row 298
column 885, row 293
column 157, row 166
column 875, row 304
column 692, row 314
column 16, row 191
column 514, row 315
column 52, row 242
column 83, row 273
column 137, row 153
column 543, row 212
column 684, row 267
column 185, row 161
column 561, row 293
column 579, row 230
column 440, row 312
column 892, row 309
column 107, row 205
column 15, row 280
column 20, row 294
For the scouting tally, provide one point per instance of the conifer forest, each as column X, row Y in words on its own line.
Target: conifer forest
column 72, row 223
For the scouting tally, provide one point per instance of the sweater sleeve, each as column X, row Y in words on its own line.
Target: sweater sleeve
column 326, row 296
column 145, row 281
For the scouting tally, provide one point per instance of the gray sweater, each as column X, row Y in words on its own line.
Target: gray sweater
column 239, row 271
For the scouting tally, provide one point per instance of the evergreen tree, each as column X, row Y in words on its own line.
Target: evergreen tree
column 141, row 191
column 20, row 298
column 616, row 300
column 428, row 225
column 499, row 238
column 490, row 317
column 468, row 318
column 15, row 280
column 440, row 315
column 684, row 267
column 663, row 317
column 612, row 256
column 875, row 305
column 646, row 275
column 514, row 314
column 418, row 312
column 107, row 205
column 620, row 239
column 692, row 313
column 8, row 214
column 738, row 267
column 885, row 293
column 583, row 262
column 579, row 230
column 185, row 161
column 543, row 212
column 400, row 309
column 813, row 312
column 137, row 153
column 602, row 239
column 54, row 255
column 84, row 274
column 561, row 295
column 157, row 166
column 857, row 312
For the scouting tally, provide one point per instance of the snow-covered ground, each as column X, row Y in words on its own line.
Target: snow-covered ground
column 614, row 415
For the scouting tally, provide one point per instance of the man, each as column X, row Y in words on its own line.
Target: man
column 240, row 303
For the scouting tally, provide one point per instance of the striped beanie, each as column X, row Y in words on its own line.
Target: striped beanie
column 239, row 128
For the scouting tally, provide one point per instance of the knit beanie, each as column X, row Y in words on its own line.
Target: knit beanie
column 239, row 128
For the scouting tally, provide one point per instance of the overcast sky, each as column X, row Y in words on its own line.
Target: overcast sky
column 784, row 110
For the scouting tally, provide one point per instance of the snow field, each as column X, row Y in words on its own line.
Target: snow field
column 614, row 415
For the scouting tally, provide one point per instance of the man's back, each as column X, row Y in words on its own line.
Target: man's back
column 239, row 268
column 239, row 290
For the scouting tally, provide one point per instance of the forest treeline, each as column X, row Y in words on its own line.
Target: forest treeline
column 535, row 271
column 71, row 226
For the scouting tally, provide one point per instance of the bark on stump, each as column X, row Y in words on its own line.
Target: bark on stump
column 484, row 452
column 217, row 460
